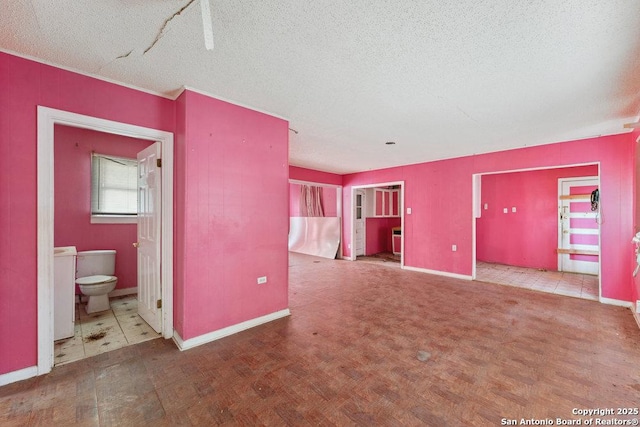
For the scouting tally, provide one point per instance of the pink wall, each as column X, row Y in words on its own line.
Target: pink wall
column 528, row 237
column 378, row 237
column 72, row 182
column 329, row 200
column 440, row 195
column 232, row 171
column 25, row 84
column 311, row 175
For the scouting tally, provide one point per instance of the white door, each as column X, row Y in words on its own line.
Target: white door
column 149, row 210
column 359, row 215
column 578, row 226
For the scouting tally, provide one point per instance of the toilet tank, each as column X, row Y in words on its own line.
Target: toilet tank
column 91, row 263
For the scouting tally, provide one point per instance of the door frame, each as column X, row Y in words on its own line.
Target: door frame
column 47, row 118
column 477, row 209
column 352, row 249
column 364, row 221
column 575, row 179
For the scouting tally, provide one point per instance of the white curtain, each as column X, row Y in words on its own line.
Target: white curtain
column 311, row 201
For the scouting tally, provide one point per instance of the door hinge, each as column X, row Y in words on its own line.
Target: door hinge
column 159, row 303
column 159, row 163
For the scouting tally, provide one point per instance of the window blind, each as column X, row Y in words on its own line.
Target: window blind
column 114, row 185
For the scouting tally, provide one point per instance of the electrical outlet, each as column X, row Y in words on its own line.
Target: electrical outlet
column 408, row 211
column 454, row 248
column 513, row 209
column 486, row 206
column 505, row 210
column 262, row 280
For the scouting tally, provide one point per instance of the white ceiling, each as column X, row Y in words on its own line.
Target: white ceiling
column 440, row 78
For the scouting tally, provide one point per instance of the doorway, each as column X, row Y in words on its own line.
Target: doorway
column 47, row 119
column 95, row 206
column 578, row 225
column 517, row 215
column 377, row 221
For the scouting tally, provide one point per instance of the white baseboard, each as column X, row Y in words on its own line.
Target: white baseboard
column 19, row 375
column 225, row 332
column 438, row 272
column 123, row 291
column 617, row 302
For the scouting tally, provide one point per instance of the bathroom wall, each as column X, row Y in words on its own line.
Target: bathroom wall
column 440, row 195
column 528, row 237
column 72, row 197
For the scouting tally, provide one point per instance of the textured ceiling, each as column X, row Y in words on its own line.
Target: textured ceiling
column 441, row 79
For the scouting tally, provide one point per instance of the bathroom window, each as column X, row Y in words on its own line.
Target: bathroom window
column 114, row 189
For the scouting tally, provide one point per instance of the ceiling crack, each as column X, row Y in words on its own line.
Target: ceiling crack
column 125, row 55
column 464, row 112
column 166, row 22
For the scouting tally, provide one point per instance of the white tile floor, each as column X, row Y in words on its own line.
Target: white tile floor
column 576, row 285
column 105, row 331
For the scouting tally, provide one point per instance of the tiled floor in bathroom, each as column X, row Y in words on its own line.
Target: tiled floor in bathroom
column 105, row 331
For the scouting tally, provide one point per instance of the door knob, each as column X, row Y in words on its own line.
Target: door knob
column 136, row 244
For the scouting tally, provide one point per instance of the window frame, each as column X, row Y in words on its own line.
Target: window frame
column 109, row 218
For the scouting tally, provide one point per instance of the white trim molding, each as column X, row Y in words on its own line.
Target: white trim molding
column 229, row 330
column 19, row 375
column 438, row 272
column 47, row 118
column 113, row 219
column 617, row 302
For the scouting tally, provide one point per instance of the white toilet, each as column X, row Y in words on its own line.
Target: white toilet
column 95, row 277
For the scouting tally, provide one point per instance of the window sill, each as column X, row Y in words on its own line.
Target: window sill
column 113, row 219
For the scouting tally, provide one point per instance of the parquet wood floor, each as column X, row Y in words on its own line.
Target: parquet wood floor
column 348, row 356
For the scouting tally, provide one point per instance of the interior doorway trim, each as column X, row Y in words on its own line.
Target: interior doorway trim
column 352, row 250
column 47, row 119
column 476, row 200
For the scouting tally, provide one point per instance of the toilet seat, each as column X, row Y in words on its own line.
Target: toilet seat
column 95, row 280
